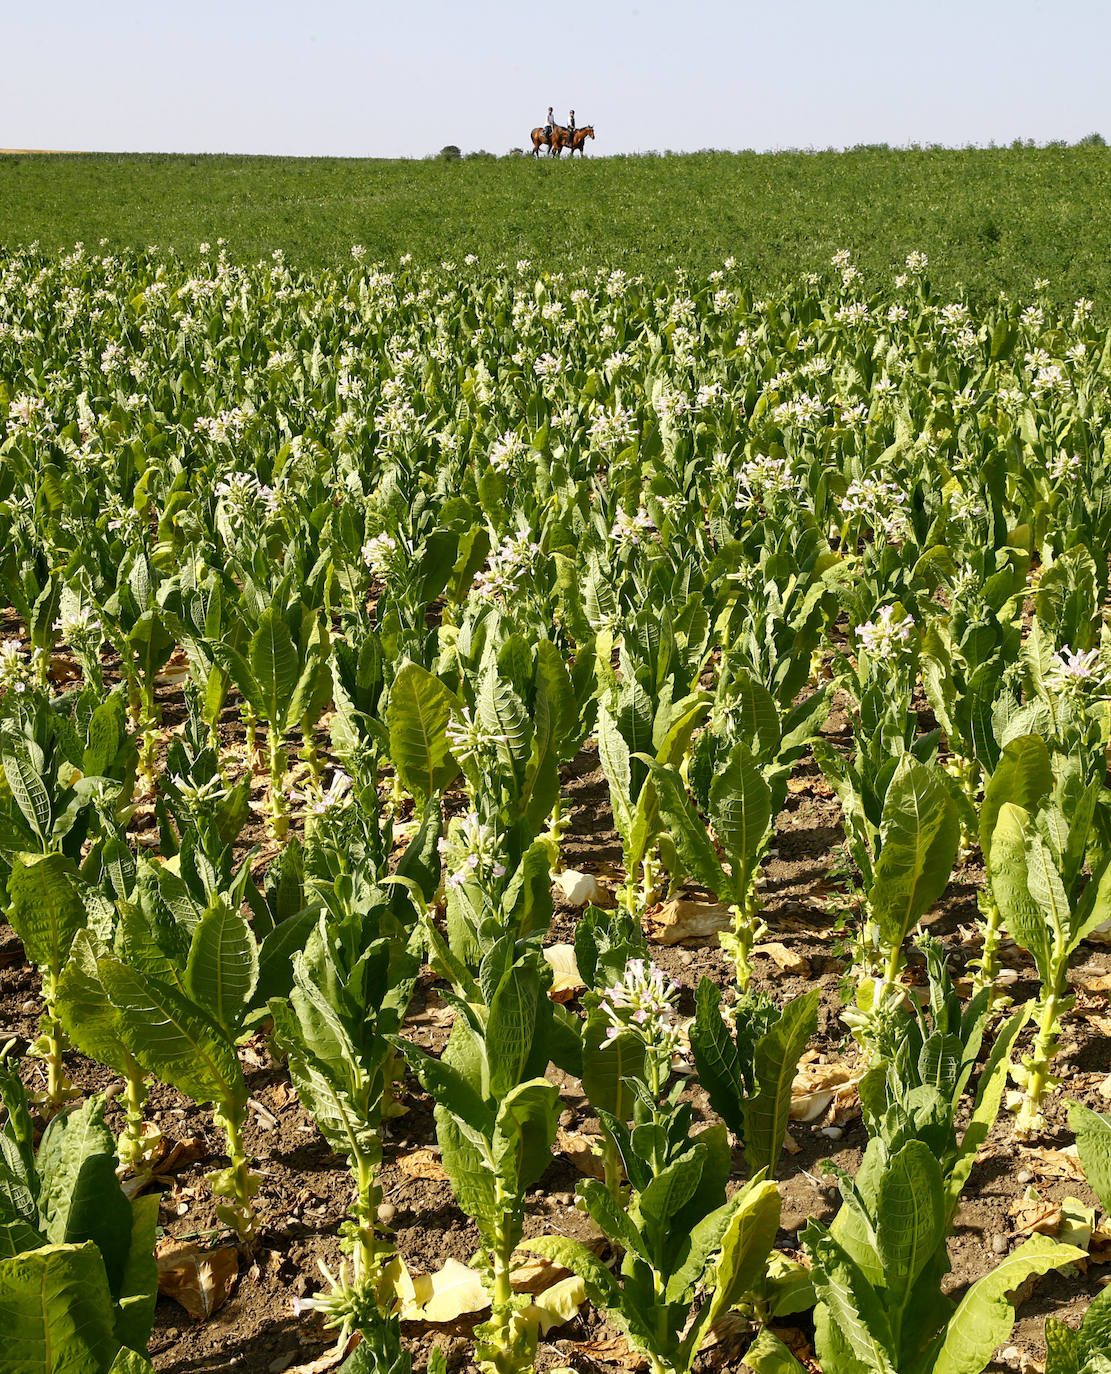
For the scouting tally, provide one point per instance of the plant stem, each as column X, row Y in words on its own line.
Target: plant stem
column 309, row 753
column 279, row 819
column 987, row 966
column 133, row 1146
column 367, row 1197
column 1040, row 1062
column 242, row 1207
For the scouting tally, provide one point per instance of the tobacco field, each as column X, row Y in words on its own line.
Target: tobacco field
column 551, row 820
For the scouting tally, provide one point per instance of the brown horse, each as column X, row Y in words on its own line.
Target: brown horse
column 561, row 138
column 579, row 137
column 542, row 140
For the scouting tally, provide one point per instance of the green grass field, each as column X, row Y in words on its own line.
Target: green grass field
column 989, row 219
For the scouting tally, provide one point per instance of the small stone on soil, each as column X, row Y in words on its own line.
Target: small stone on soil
column 1000, row 1244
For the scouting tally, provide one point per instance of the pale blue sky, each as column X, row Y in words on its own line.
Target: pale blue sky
column 404, row 78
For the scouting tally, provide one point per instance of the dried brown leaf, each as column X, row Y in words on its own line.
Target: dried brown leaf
column 200, row 1280
column 422, row 1164
column 579, row 1149
column 684, row 922
column 789, row 960
column 614, row 1350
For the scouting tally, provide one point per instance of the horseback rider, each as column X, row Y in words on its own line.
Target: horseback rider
column 549, row 122
column 571, row 122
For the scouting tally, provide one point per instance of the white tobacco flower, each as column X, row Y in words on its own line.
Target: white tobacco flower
column 643, row 1002
column 468, row 738
column 885, row 637
column 505, row 451
column 762, row 477
column 470, row 851
column 336, row 797
column 16, row 672
column 881, row 504
column 631, row 529
column 243, row 499
column 612, row 428
column 1078, row 672
column 380, row 554
column 1064, row 465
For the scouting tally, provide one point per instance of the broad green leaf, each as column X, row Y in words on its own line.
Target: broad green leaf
column 511, row 1025
column 1011, row 887
column 418, row 713
column 1048, row 891
column 46, row 909
column 612, row 1217
column 173, row 1038
column 602, row 1289
column 523, row 1134
column 689, row 835
column 56, row 1311
column 910, row 1225
column 985, row 1316
column 82, row 1199
column 86, row 1012
column 469, row 1168
column 745, row 1246
column 139, row 1288
column 741, row 810
column 1093, row 1140
column 1023, row 776
column 717, row 1057
column 768, row 1355
column 29, row 791
column 849, row 1305
column 223, row 966
column 919, row 833
column 777, row 1055
column 275, row 668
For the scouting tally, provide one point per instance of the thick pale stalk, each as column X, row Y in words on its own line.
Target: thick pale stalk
column 242, row 1207
column 987, row 966
column 279, row 818
column 134, row 1147
column 1040, row 1063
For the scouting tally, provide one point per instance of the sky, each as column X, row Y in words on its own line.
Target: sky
column 406, row 77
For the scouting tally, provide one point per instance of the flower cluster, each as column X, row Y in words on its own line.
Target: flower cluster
column 243, row 499
column 643, row 1002
column 613, row 428
column 470, row 851
column 1079, row 672
column 885, row 638
column 762, row 477
column 631, row 529
column 468, row 737
column 382, row 555
column 16, row 672
column 881, row 504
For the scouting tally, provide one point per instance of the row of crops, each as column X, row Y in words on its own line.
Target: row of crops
column 404, row 543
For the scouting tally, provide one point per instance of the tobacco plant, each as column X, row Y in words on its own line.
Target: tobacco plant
column 1049, row 905
column 495, row 1122
column 684, row 1242
column 352, row 987
column 78, row 1272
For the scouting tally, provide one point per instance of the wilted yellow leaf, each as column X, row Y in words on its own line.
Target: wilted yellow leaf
column 566, row 979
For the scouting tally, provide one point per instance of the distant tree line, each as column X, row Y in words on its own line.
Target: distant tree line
column 451, row 152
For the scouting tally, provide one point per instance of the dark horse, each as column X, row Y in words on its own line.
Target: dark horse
column 550, row 141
